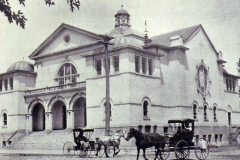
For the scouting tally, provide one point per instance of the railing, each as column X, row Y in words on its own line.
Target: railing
column 236, row 133
column 56, row 88
column 8, row 141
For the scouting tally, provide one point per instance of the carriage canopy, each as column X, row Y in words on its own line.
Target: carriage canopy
column 185, row 120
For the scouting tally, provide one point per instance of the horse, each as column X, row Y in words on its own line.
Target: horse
column 113, row 140
column 146, row 140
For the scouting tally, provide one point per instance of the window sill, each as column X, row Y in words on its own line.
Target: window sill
column 195, row 119
column 4, row 126
column 146, row 118
column 215, row 120
column 206, row 120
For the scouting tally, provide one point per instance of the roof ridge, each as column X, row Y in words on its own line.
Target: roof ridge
column 177, row 30
column 185, row 33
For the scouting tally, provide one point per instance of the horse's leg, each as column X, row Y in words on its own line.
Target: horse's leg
column 118, row 149
column 158, row 151
column 113, row 150
column 105, row 150
column 144, row 149
column 138, row 150
column 98, row 148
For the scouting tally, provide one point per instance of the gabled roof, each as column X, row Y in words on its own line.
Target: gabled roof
column 56, row 33
column 164, row 39
column 185, row 33
column 225, row 72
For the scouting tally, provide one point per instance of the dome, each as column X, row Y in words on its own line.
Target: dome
column 21, row 66
column 122, row 11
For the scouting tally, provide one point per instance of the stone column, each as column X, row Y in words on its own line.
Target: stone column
column 49, row 121
column 29, row 123
column 46, row 122
column 70, row 119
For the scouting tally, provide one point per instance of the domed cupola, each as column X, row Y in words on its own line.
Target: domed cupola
column 21, row 66
column 122, row 19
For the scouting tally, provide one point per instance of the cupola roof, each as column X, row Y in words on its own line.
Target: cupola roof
column 21, row 66
column 122, row 11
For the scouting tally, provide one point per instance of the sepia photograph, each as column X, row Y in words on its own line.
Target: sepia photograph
column 119, row 79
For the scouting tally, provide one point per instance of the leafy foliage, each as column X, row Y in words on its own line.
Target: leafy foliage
column 73, row 4
column 19, row 17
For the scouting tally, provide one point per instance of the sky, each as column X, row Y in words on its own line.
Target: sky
column 220, row 19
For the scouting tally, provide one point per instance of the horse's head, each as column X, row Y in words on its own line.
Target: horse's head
column 130, row 134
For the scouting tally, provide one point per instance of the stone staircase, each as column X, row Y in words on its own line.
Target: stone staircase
column 233, row 135
column 43, row 141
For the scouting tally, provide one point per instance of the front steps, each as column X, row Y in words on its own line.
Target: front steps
column 42, row 140
column 233, row 135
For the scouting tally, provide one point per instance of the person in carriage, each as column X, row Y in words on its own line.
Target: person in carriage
column 81, row 140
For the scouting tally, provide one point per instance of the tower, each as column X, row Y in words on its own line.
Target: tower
column 122, row 19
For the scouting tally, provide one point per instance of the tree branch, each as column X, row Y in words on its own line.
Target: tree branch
column 19, row 17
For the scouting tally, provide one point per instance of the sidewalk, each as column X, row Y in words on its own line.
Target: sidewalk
column 31, row 152
column 8, row 151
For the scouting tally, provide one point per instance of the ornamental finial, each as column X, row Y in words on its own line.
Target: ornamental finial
column 146, row 28
column 146, row 39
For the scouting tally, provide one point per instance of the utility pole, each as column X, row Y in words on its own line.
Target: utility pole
column 238, row 64
column 105, row 41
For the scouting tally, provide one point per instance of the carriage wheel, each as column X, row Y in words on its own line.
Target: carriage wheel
column 69, row 149
column 165, row 152
column 90, row 149
column 202, row 149
column 83, row 150
column 110, row 151
column 101, row 152
column 182, row 150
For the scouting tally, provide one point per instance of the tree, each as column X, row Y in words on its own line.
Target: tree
column 19, row 18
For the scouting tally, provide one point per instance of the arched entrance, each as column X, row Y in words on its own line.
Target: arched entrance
column 38, row 118
column 80, row 116
column 59, row 116
column 229, row 112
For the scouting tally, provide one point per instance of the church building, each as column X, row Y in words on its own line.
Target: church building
column 175, row 75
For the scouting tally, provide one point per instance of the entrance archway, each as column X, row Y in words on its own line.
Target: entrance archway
column 80, row 116
column 229, row 112
column 59, row 116
column 38, row 118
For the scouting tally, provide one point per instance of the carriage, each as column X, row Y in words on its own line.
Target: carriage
column 181, row 141
column 82, row 144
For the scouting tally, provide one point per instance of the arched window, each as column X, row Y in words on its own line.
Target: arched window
column 145, row 108
column 227, row 84
column 230, row 85
column 214, row 113
column 4, row 115
column 229, row 111
column 205, row 112
column 194, row 111
column 67, row 74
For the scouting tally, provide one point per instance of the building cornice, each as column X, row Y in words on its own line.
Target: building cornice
column 17, row 72
column 66, row 50
column 125, row 47
column 155, row 45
